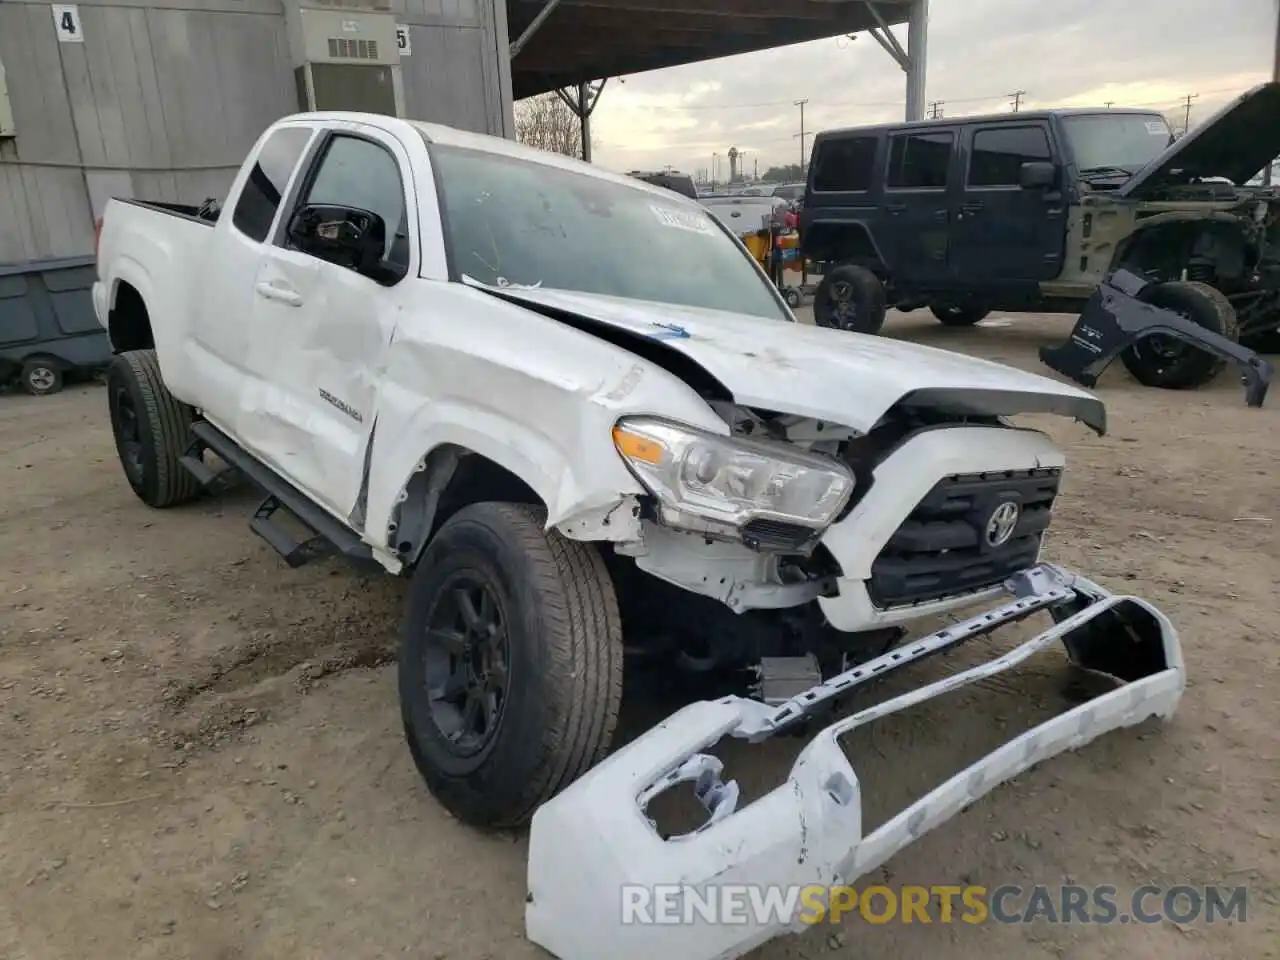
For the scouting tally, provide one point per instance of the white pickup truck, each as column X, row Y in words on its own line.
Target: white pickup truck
column 574, row 410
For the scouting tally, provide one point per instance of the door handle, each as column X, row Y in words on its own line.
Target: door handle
column 941, row 216
column 286, row 296
column 972, row 207
column 895, row 207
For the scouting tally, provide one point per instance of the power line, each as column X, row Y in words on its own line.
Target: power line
column 1016, row 99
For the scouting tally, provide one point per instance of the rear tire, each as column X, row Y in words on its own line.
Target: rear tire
column 1172, row 364
column 850, row 298
column 958, row 316
column 152, row 430
column 539, row 664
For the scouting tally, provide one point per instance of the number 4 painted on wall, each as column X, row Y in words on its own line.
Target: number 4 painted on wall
column 66, row 21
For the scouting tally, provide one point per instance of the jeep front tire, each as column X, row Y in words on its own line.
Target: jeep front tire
column 850, row 298
column 1163, row 361
column 510, row 667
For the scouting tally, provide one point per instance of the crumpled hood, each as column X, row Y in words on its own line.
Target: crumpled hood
column 846, row 378
column 1236, row 142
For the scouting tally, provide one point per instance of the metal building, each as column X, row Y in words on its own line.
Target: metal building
column 163, row 98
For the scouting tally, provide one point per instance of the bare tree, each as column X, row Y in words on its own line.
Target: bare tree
column 546, row 122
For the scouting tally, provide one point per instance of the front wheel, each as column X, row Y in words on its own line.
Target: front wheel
column 510, row 667
column 1163, row 361
column 850, row 298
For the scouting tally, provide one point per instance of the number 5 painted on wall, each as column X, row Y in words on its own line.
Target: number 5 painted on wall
column 66, row 21
column 404, row 42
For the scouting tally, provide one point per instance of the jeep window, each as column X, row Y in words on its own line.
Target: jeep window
column 919, row 161
column 264, row 187
column 999, row 153
column 845, row 164
column 1111, row 142
column 510, row 221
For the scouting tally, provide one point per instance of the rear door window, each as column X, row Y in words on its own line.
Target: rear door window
column 920, row 161
column 845, row 164
column 999, row 152
column 264, row 188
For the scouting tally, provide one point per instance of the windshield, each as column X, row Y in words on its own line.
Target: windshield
column 511, row 221
column 1124, row 142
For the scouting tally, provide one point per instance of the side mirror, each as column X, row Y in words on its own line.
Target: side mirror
column 346, row 236
column 1037, row 174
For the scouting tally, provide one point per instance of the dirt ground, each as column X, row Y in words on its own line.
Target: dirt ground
column 201, row 754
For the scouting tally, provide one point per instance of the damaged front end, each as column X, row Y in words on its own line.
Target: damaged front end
column 596, row 840
column 1115, row 319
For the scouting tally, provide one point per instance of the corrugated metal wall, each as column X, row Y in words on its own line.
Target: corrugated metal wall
column 155, row 102
column 452, row 58
column 164, row 103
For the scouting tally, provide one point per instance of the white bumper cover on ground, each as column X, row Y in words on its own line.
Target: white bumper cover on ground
column 595, row 840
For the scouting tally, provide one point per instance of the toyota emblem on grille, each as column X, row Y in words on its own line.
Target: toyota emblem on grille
column 1001, row 524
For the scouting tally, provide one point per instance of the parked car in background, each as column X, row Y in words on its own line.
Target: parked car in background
column 674, row 180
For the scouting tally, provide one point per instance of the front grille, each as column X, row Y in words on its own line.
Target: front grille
column 942, row 550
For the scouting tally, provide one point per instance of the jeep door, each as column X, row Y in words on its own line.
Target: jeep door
column 1004, row 233
column 916, row 222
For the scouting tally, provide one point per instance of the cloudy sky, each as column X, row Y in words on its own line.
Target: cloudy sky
column 1062, row 52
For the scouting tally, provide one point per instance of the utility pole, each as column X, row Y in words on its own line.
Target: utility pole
column 800, row 104
column 1186, row 112
column 935, row 109
column 1015, row 99
column 1275, row 75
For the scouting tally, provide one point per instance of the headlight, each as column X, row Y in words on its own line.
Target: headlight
column 726, row 482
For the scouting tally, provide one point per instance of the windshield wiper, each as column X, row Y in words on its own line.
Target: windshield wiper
column 1104, row 172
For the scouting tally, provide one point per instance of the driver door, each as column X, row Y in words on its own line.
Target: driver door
column 333, row 325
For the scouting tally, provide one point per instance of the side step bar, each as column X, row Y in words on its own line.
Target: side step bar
column 327, row 532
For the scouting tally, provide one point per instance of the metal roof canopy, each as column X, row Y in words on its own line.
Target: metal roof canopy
column 559, row 44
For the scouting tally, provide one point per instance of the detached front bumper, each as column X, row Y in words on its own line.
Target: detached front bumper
column 594, row 842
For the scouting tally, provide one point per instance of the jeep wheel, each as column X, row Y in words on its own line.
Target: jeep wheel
column 850, row 298
column 510, row 667
column 1173, row 364
column 152, row 430
column 954, row 315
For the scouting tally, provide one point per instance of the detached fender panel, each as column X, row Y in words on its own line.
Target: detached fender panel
column 1114, row 319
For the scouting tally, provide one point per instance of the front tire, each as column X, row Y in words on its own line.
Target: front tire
column 152, row 430
column 1173, row 364
column 850, row 298
column 510, row 667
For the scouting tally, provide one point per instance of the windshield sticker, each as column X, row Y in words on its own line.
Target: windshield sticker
column 1157, row 129
column 682, row 219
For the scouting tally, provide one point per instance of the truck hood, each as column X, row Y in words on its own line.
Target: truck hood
column 830, row 375
column 1237, row 142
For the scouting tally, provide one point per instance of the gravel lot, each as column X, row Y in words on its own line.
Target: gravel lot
column 201, row 753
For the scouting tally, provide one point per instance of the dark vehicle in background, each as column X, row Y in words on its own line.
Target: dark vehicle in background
column 48, row 330
column 681, row 183
column 1038, row 211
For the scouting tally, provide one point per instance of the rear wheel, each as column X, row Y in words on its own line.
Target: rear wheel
column 1173, row 364
column 954, row 315
column 850, row 298
column 152, row 430
column 510, row 667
